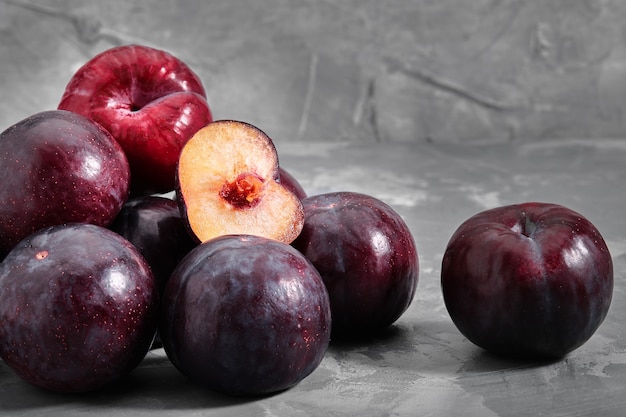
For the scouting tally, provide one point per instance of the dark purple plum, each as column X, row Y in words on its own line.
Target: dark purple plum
column 366, row 255
column 531, row 280
column 245, row 315
column 292, row 184
column 78, row 308
column 58, row 167
column 154, row 225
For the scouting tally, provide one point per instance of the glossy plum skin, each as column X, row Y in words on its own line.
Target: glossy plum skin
column 78, row 308
column 149, row 100
column 291, row 183
column 154, row 225
column 532, row 280
column 58, row 167
column 245, row 315
column 366, row 256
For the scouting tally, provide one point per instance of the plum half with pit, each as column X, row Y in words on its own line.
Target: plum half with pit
column 245, row 315
column 78, row 308
column 366, row 255
column 227, row 182
column 58, row 167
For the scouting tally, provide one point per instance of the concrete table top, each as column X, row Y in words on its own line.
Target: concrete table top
column 422, row 365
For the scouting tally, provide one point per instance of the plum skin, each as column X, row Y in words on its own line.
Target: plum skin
column 366, row 256
column 78, row 308
column 291, row 183
column 58, row 167
column 149, row 100
column 245, row 315
column 532, row 280
column 155, row 226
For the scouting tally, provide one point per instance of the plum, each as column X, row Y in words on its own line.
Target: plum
column 78, row 308
column 245, row 315
column 531, row 280
column 58, row 167
column 154, row 225
column 366, row 256
column 150, row 101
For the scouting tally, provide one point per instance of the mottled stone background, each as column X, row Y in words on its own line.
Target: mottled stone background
column 367, row 70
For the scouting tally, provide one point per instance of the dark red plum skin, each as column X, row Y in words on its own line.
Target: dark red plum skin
column 155, row 226
column 58, row 167
column 531, row 280
column 78, row 308
column 245, row 316
column 291, row 183
column 366, row 255
column 149, row 100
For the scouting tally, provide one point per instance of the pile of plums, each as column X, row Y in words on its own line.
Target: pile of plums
column 130, row 219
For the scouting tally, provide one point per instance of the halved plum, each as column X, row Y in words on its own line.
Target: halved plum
column 226, row 183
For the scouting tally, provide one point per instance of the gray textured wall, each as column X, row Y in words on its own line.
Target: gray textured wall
column 371, row 70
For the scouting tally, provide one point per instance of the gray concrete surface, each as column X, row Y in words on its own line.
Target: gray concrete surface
column 423, row 366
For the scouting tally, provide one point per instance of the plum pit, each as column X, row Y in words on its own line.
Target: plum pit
column 244, row 192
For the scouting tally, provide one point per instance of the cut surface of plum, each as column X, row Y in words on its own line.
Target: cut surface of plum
column 226, row 184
